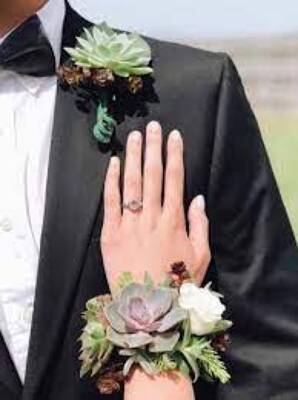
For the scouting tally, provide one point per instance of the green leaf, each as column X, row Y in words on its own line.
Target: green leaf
column 213, row 366
column 128, row 364
column 146, row 363
column 165, row 362
column 192, row 363
column 96, row 368
column 186, row 332
column 148, row 281
column 127, row 352
column 222, row 326
column 184, row 368
column 196, row 346
column 125, row 279
column 167, row 282
column 164, row 342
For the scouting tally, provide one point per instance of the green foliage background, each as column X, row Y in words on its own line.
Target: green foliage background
column 280, row 133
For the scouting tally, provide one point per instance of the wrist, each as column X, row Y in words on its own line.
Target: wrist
column 168, row 385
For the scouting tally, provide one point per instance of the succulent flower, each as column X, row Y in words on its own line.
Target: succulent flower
column 123, row 53
column 144, row 315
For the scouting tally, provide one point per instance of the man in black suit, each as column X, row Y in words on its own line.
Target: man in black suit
column 254, row 251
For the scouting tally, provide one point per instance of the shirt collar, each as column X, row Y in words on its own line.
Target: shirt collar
column 51, row 16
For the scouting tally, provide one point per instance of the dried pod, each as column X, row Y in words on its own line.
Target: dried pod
column 135, row 84
column 221, row 342
column 102, row 77
column 110, row 382
column 72, row 75
column 179, row 273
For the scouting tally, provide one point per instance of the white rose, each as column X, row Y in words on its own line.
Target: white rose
column 205, row 308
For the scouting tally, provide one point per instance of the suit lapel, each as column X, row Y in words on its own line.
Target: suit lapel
column 9, row 379
column 75, row 179
column 76, row 174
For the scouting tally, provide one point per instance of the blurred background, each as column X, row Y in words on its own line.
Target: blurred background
column 261, row 37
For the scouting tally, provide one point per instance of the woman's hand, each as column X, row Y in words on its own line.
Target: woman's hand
column 152, row 239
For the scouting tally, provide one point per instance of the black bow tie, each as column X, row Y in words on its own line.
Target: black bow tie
column 27, row 51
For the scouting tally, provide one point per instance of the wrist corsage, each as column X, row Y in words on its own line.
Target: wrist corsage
column 173, row 326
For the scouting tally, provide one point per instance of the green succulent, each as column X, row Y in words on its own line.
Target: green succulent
column 123, row 53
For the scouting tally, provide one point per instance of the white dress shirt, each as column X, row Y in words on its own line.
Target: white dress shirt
column 26, row 121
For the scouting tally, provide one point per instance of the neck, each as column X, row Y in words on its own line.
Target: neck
column 14, row 12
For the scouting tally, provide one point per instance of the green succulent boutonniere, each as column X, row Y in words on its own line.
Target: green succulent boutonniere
column 108, row 63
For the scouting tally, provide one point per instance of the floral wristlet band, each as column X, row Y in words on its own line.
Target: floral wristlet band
column 173, row 326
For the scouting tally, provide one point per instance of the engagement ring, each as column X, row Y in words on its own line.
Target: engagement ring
column 133, row 206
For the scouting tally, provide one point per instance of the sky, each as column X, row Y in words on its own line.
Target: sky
column 195, row 19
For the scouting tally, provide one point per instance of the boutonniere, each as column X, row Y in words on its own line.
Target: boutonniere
column 174, row 326
column 107, row 66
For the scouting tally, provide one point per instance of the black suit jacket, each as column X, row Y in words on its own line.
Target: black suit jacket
column 254, row 251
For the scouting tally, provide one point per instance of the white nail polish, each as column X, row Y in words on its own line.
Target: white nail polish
column 154, row 126
column 114, row 161
column 135, row 135
column 200, row 202
column 176, row 135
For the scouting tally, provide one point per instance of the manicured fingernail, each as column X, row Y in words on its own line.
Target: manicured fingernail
column 176, row 135
column 135, row 136
column 200, row 202
column 114, row 161
column 153, row 126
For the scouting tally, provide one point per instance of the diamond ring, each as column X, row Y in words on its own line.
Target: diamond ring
column 133, row 205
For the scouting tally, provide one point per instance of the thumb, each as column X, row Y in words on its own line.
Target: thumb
column 199, row 232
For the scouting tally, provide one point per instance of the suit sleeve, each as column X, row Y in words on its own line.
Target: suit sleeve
column 254, row 253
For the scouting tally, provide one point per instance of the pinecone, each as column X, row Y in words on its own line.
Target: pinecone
column 110, row 382
column 102, row 77
column 72, row 75
column 221, row 342
column 179, row 273
column 135, row 84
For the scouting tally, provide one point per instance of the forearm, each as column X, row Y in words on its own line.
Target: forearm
column 162, row 387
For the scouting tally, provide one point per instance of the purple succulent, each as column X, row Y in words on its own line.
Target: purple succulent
column 144, row 315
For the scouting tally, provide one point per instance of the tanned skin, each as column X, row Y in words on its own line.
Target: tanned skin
column 14, row 12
